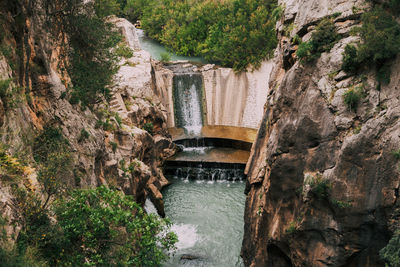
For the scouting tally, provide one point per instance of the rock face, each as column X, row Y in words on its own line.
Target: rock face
column 126, row 156
column 323, row 183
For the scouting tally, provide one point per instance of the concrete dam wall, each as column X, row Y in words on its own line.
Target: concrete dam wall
column 228, row 98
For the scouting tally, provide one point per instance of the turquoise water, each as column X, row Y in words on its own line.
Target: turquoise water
column 208, row 219
column 155, row 49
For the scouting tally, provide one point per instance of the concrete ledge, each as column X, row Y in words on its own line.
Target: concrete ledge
column 220, row 131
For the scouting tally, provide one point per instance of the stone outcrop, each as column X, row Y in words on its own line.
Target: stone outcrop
column 323, row 183
column 126, row 156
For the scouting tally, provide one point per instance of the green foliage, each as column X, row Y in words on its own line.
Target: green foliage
column 352, row 98
column 391, row 253
column 396, row 154
column 292, row 228
column 10, row 95
column 114, row 146
column 165, row 57
column 350, row 61
column 102, row 227
column 234, row 33
column 94, row 227
column 148, row 126
column 10, row 168
column 104, row 8
column 84, row 135
column 53, row 156
column 380, row 34
column 318, row 185
column 133, row 9
column 322, row 40
column 304, row 51
column 122, row 50
column 341, row 204
column 92, row 61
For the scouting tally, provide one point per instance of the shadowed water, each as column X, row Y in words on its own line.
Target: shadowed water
column 208, row 218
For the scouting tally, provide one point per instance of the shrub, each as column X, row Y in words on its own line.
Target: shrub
column 352, row 98
column 83, row 136
column 148, row 126
column 350, row 61
column 318, row 185
column 105, row 227
column 292, row 228
column 322, row 40
column 165, row 57
column 396, row 154
column 391, row 253
column 122, row 50
column 304, row 51
column 114, row 146
column 380, row 35
column 341, row 204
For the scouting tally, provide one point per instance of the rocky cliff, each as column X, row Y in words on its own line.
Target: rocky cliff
column 126, row 154
column 323, row 183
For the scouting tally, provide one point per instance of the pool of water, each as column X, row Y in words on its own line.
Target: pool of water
column 155, row 49
column 208, row 219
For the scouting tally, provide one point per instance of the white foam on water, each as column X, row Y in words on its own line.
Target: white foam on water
column 149, row 207
column 196, row 150
column 187, row 235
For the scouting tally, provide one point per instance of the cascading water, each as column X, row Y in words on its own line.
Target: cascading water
column 206, row 203
column 188, row 102
column 205, row 200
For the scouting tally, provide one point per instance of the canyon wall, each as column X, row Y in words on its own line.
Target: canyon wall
column 136, row 134
column 323, row 183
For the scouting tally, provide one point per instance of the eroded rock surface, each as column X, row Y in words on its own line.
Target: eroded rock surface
column 308, row 136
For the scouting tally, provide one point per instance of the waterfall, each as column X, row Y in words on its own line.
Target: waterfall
column 188, row 102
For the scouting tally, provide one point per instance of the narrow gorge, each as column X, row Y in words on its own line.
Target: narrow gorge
column 270, row 138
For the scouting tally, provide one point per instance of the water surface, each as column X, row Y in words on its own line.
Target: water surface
column 155, row 49
column 208, row 218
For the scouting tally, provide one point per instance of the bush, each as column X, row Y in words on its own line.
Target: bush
column 148, row 126
column 124, row 51
column 350, row 61
column 380, row 35
column 83, row 136
column 165, row 57
column 105, row 227
column 322, row 40
column 318, row 185
column 94, row 227
column 391, row 253
column 352, row 98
